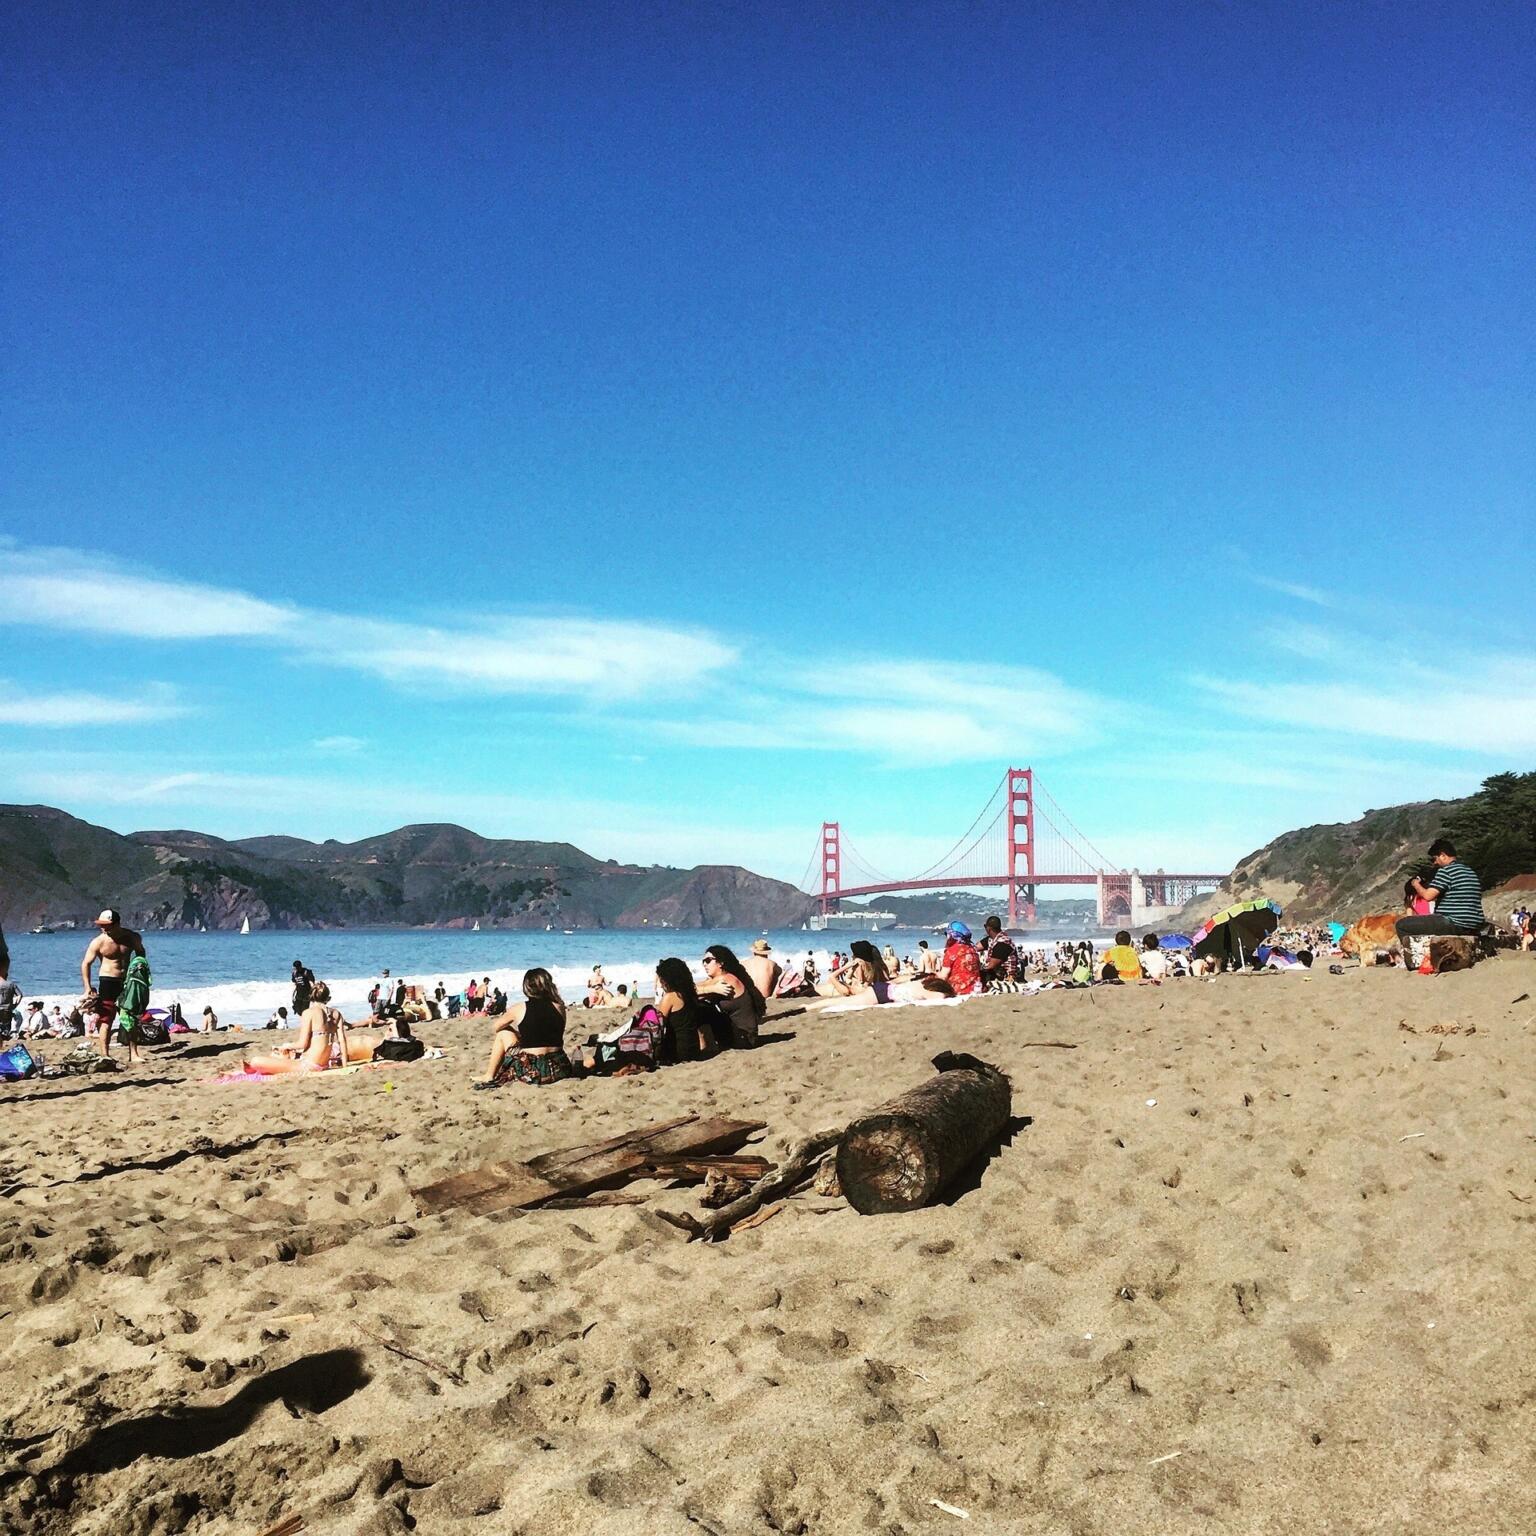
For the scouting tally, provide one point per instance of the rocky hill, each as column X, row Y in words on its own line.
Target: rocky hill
column 57, row 869
column 1335, row 871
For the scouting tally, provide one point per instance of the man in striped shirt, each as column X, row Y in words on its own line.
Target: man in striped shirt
column 1456, row 892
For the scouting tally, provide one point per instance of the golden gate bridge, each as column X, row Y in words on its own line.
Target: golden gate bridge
column 1020, row 839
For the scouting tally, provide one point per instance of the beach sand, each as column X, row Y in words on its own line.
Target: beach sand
column 1291, row 1295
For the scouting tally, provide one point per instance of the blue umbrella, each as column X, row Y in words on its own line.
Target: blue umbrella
column 1175, row 941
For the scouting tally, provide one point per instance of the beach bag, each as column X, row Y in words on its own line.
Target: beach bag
column 399, row 1050
column 153, row 1032
column 16, row 1064
column 638, row 1046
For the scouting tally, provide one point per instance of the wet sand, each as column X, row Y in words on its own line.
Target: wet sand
column 1292, row 1295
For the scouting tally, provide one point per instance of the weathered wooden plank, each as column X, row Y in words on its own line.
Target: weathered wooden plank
column 742, row 1166
column 575, row 1171
column 489, row 1178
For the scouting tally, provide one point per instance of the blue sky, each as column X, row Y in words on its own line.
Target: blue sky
column 662, row 427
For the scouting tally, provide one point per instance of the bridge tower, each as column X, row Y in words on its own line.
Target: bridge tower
column 831, row 865
column 1021, row 844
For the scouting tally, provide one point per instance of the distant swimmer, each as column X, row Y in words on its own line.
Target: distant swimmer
column 113, row 948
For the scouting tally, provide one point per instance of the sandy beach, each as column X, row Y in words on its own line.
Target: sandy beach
column 1289, row 1295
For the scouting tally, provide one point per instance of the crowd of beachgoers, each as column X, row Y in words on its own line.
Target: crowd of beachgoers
column 692, row 1012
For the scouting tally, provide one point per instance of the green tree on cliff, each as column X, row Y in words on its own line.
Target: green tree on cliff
column 1495, row 830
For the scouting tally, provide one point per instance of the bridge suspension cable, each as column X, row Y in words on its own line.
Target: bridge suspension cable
column 948, row 861
column 1104, row 862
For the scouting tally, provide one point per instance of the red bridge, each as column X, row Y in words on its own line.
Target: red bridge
column 1000, row 848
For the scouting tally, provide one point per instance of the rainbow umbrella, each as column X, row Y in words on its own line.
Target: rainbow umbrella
column 1237, row 932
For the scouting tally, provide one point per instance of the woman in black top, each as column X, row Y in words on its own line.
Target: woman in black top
column 529, row 1046
column 733, row 994
column 688, row 1031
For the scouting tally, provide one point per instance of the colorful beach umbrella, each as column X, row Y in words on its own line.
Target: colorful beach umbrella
column 1237, row 932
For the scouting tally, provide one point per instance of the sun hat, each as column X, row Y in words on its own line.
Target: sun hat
column 108, row 918
column 761, row 946
column 958, row 931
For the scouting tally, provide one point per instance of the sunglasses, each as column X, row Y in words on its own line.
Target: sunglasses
column 709, row 960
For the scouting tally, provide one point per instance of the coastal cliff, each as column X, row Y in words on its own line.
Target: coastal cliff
column 57, row 869
column 1337, row 870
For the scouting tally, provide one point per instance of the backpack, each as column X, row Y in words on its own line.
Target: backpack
column 643, row 1044
column 153, row 1032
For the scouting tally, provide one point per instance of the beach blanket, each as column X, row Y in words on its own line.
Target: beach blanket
column 855, row 1006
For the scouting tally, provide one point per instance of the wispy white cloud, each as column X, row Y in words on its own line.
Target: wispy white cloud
column 1487, row 705
column 900, row 711
column 531, row 655
column 1296, row 589
column 339, row 746
column 82, row 591
column 71, row 709
column 598, row 658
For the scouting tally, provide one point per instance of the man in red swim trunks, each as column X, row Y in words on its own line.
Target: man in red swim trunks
column 113, row 947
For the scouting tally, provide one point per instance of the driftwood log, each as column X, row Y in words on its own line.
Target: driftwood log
column 900, row 1156
column 795, row 1169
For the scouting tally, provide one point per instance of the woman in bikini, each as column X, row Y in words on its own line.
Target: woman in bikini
column 529, row 1046
column 866, row 963
column 323, row 1042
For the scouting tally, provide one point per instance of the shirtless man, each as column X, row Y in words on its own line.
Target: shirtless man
column 114, row 947
column 764, row 970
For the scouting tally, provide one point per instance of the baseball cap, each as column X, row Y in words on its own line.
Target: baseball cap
column 108, row 918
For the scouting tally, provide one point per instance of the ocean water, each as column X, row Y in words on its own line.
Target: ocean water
column 244, row 977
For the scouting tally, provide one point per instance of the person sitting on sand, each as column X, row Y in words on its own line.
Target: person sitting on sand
column 210, row 1020
column 1413, row 903
column 323, row 1042
column 846, row 980
column 1457, row 895
column 689, row 1032
column 529, row 1047
column 1123, row 958
column 765, row 971
column 1154, row 963
column 999, row 958
column 882, row 986
column 960, row 965
column 734, row 995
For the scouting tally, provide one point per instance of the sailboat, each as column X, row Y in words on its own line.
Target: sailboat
column 476, row 928
column 245, row 925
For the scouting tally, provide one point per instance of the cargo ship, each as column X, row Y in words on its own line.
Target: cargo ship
column 852, row 922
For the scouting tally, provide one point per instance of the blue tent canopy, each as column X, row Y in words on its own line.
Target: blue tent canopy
column 1175, row 941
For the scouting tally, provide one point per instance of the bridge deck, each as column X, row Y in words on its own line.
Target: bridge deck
column 1036, row 880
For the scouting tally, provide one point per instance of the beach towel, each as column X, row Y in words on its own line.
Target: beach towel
column 133, row 1000
column 854, row 1005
